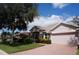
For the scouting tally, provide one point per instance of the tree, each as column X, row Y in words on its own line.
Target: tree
column 17, row 15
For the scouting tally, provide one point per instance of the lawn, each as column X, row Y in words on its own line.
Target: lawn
column 10, row 49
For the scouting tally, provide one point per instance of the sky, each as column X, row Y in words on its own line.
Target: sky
column 50, row 13
column 47, row 9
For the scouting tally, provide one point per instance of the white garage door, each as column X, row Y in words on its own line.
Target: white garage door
column 61, row 39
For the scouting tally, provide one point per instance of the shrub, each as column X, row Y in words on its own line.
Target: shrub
column 28, row 40
column 38, row 40
column 47, row 41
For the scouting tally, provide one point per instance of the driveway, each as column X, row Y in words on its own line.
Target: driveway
column 52, row 49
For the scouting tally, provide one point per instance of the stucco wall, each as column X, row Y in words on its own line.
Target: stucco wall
column 62, row 39
column 63, row 29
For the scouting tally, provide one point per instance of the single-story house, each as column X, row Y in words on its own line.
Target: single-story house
column 63, row 33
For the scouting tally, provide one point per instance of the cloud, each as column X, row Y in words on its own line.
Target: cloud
column 59, row 5
column 45, row 21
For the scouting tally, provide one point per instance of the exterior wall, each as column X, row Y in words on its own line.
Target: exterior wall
column 63, row 29
column 62, row 35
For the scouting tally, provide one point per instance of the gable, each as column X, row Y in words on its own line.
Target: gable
column 63, row 29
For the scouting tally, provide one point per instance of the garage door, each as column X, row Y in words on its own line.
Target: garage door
column 61, row 39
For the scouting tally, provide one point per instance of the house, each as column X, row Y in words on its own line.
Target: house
column 60, row 33
column 63, row 33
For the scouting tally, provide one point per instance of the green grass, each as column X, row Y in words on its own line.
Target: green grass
column 10, row 49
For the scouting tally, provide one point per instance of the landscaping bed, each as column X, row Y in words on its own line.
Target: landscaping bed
column 12, row 49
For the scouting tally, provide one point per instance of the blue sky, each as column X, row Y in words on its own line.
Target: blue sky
column 47, row 9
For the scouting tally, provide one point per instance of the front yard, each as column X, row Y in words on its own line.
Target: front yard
column 10, row 49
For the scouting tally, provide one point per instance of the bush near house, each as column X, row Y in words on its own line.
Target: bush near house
column 43, row 40
column 46, row 41
column 28, row 40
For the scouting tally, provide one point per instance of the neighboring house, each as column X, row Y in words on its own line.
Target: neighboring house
column 63, row 33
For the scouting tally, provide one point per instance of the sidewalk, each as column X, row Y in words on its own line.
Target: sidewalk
column 2, row 52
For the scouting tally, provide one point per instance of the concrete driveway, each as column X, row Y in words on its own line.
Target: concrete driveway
column 52, row 49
